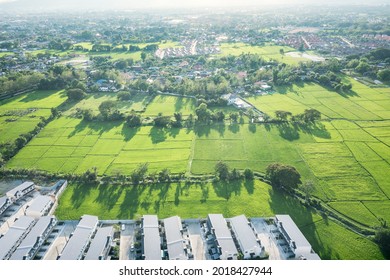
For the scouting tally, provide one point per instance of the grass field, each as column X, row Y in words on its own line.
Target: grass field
column 253, row 198
column 21, row 114
column 267, row 52
column 167, row 105
column 138, row 103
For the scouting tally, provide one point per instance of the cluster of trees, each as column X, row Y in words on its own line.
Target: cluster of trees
column 19, row 81
column 205, row 115
column 283, row 176
column 382, row 237
column 308, row 116
column 223, row 172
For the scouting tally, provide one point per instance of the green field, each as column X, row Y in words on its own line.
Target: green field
column 167, row 105
column 93, row 100
column 190, row 200
column 267, row 52
column 21, row 114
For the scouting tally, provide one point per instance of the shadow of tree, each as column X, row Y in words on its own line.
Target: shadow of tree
column 250, row 186
column 37, row 95
column 130, row 204
column 129, row 132
column 288, row 131
column 157, row 135
column 108, row 195
column 252, row 127
column 234, row 127
column 80, row 192
column 226, row 189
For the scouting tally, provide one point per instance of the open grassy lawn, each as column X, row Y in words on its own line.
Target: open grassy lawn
column 190, row 200
column 167, row 105
column 268, row 52
column 358, row 211
column 93, row 100
column 21, row 114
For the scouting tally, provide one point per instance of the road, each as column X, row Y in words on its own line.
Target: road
column 127, row 237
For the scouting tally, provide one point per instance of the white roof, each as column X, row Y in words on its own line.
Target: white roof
column 21, row 187
column 244, row 232
column 293, row 231
column 29, row 242
column 173, row 228
column 76, row 245
column 152, row 244
column 39, row 204
column 222, row 234
column 14, row 234
column 99, row 243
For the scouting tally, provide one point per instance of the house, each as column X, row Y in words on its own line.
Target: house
column 79, row 240
column 5, row 202
column 100, row 244
column 16, row 233
column 176, row 244
column 151, row 243
column 295, row 239
column 247, row 239
column 20, row 191
column 35, row 239
column 39, row 207
column 223, row 239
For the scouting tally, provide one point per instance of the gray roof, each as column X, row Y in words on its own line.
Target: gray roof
column 21, row 187
column 99, row 243
column 30, row 241
column 39, row 204
column 174, row 238
column 151, row 242
column 244, row 232
column 14, row 234
column 293, row 231
column 222, row 234
column 3, row 201
column 76, row 245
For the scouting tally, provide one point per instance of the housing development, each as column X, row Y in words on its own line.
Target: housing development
column 29, row 234
column 194, row 131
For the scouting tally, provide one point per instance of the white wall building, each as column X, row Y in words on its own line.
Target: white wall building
column 39, row 207
column 5, row 202
column 12, row 238
column 176, row 244
column 20, row 191
column 223, row 238
column 100, row 244
column 151, row 242
column 34, row 239
column 249, row 243
column 295, row 239
column 79, row 240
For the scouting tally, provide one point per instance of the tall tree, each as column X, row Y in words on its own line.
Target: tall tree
column 283, row 176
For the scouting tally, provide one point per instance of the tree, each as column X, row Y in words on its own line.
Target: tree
column 162, row 121
column 282, row 115
column 382, row 237
column 283, row 176
column 134, row 120
column 248, row 174
column 164, row 175
column 384, row 75
column 222, row 170
column 106, row 108
column 143, row 56
column 362, row 67
column 87, row 114
column 281, row 51
column 311, row 115
column 203, row 113
column 308, row 188
column 139, row 173
column 178, row 117
column 75, row 94
column 219, row 116
column 235, row 174
column 233, row 117
column 124, row 96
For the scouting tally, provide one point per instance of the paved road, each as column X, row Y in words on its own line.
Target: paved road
column 196, row 240
column 62, row 238
column 127, row 237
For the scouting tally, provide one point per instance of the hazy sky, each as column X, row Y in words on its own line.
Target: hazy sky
column 136, row 4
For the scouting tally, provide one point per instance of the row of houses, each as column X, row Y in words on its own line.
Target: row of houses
column 88, row 242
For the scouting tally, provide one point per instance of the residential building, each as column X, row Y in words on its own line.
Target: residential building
column 5, row 202
column 151, row 243
column 20, row 191
column 34, row 239
column 100, row 244
column 176, row 244
column 39, row 207
column 223, row 239
column 79, row 240
column 247, row 239
column 12, row 238
column 295, row 239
